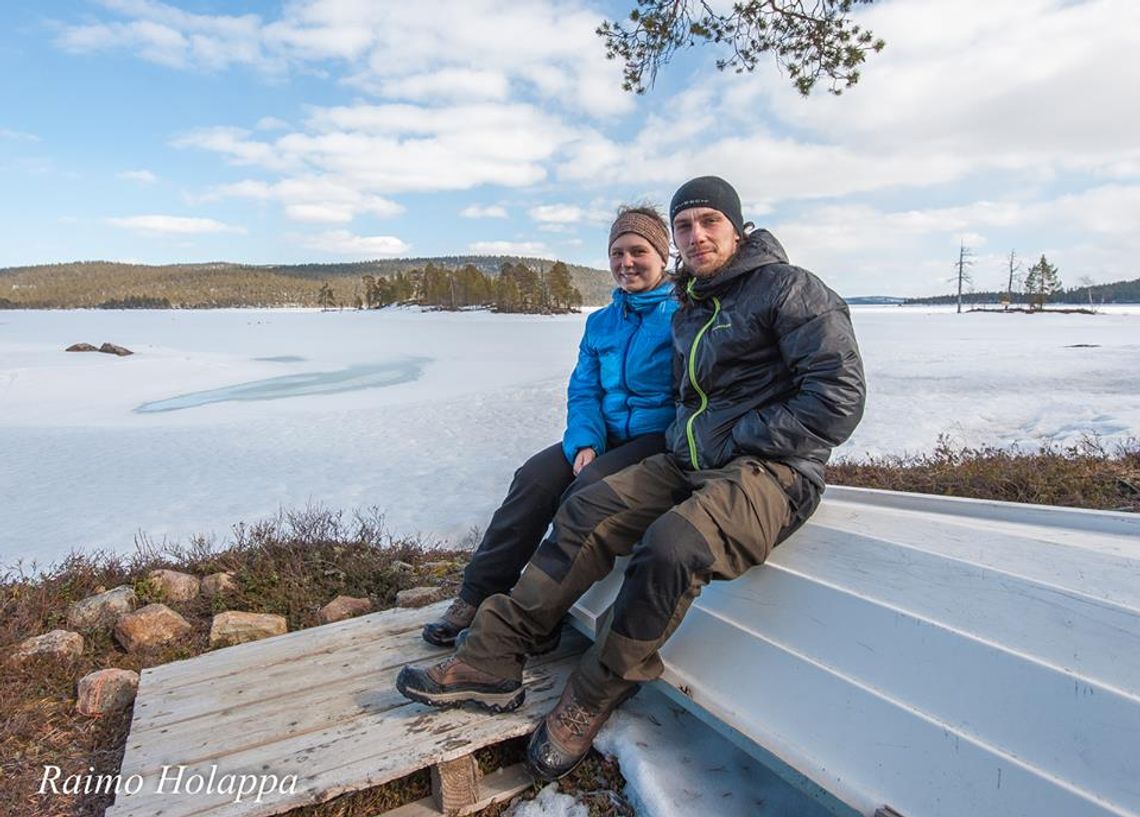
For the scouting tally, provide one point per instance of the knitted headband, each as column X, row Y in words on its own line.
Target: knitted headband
column 649, row 228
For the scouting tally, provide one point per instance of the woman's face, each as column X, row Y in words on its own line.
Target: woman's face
column 636, row 266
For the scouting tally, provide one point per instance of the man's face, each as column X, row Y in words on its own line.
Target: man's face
column 705, row 238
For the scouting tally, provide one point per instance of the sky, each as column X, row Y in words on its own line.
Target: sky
column 342, row 130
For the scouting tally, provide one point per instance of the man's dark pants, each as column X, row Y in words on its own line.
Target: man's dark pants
column 540, row 484
column 681, row 529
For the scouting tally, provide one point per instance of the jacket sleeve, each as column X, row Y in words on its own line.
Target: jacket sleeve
column 817, row 343
column 585, row 424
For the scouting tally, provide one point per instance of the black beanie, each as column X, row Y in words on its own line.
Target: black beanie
column 709, row 191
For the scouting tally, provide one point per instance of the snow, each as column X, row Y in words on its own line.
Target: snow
column 226, row 416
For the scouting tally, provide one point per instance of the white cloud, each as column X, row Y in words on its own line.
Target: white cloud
column 168, row 36
column 403, row 51
column 342, row 242
column 18, row 135
column 271, row 123
column 312, row 199
column 458, row 84
column 534, row 249
column 174, row 225
column 397, row 148
column 140, row 176
column 480, row 211
column 557, row 213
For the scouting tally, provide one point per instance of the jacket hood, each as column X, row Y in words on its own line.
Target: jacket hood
column 642, row 301
column 757, row 250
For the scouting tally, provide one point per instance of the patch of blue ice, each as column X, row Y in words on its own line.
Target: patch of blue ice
column 352, row 378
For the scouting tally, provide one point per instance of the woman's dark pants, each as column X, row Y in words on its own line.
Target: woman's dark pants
column 539, row 486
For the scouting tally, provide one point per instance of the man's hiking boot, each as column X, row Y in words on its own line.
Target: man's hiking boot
column 564, row 737
column 451, row 682
column 547, row 645
column 442, row 631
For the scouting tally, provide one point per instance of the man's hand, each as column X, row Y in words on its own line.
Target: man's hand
column 584, row 457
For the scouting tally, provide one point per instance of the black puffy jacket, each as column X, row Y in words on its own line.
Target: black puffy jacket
column 766, row 365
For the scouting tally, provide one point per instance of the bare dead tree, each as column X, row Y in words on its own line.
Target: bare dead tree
column 964, row 261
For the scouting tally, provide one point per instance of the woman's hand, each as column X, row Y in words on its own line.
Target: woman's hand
column 584, row 457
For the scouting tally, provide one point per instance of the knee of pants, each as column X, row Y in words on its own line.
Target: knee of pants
column 670, row 554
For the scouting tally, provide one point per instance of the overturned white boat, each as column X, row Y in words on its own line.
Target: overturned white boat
column 928, row 656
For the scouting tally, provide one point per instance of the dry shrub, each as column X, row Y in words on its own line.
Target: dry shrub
column 1086, row 475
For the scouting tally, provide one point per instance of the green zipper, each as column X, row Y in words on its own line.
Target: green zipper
column 693, row 379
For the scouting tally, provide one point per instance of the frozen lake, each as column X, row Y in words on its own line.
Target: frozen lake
column 226, row 416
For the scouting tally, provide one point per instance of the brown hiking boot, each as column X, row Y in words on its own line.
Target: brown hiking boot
column 442, row 631
column 565, row 736
column 452, row 682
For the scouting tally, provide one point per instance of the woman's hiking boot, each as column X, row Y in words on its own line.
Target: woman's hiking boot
column 452, row 682
column 456, row 618
column 564, row 737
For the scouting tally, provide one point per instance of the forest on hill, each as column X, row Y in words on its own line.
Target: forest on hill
column 109, row 284
column 1118, row 292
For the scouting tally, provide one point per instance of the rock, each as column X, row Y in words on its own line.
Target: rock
column 343, row 607
column 61, row 644
column 82, row 347
column 115, row 349
column 102, row 609
column 218, row 583
column 402, row 566
column 234, row 627
column 175, row 586
column 106, row 690
column 419, row 596
column 152, row 626
column 437, row 568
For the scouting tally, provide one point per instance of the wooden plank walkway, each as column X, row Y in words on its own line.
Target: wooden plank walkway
column 320, row 704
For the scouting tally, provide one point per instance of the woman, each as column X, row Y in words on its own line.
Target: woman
column 620, row 401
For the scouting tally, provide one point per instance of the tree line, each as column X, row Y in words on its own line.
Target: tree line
column 517, row 288
column 1033, row 288
column 536, row 285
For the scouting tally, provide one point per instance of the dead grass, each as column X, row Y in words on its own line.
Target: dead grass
column 291, row 565
column 1086, row 475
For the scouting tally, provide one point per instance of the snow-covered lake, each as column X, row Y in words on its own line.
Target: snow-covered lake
column 227, row 416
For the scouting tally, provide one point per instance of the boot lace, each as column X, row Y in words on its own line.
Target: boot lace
column 576, row 718
column 459, row 611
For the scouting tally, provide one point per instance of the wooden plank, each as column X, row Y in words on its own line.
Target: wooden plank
column 455, row 785
column 497, row 787
column 384, row 738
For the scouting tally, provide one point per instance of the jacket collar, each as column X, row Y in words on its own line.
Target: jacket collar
column 643, row 301
column 759, row 249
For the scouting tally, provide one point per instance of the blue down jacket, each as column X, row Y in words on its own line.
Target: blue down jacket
column 622, row 386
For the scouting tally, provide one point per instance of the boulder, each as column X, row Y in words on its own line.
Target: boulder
column 175, row 586
column 441, row 568
column 402, row 566
column 106, row 690
column 115, row 349
column 82, row 347
column 234, row 627
column 102, row 609
column 61, row 644
column 152, row 626
column 343, row 607
column 218, row 583
column 419, row 596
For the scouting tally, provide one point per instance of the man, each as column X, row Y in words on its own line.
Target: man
column 769, row 380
